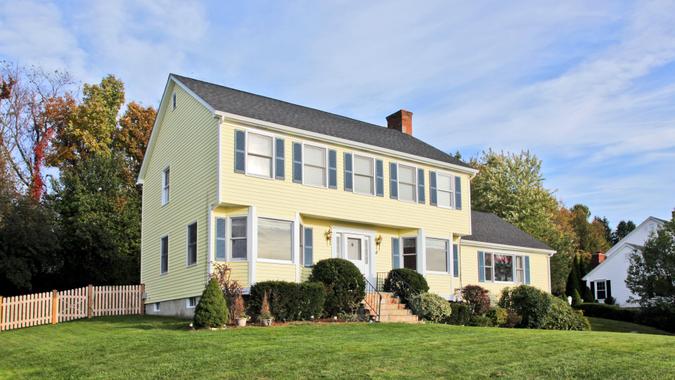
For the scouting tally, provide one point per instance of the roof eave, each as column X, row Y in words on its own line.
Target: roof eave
column 474, row 243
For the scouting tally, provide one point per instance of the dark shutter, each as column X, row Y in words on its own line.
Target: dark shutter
column 379, row 178
column 332, row 169
column 393, row 180
column 297, row 162
column 239, row 151
column 279, row 172
column 433, row 196
column 192, row 244
column 458, row 193
column 420, row 186
column 395, row 253
column 481, row 267
column 608, row 288
column 455, row 260
column 164, row 265
column 527, row 269
column 309, row 247
column 593, row 290
column 349, row 176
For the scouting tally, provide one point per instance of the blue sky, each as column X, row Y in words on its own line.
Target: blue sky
column 587, row 86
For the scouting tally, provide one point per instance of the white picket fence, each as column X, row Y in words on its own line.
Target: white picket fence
column 54, row 307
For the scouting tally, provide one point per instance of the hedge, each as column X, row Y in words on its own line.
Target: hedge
column 661, row 318
column 461, row 313
column 540, row 310
column 289, row 301
column 431, row 307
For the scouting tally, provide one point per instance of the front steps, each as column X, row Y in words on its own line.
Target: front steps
column 391, row 309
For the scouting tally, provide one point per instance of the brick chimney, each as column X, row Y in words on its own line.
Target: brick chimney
column 401, row 121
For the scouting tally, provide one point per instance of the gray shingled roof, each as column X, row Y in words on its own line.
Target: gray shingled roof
column 259, row 107
column 489, row 228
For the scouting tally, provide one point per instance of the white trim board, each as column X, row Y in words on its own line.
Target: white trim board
column 481, row 244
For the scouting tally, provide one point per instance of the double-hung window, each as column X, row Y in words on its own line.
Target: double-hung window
column 165, row 186
column 275, row 239
column 444, row 190
column 437, row 255
column 238, row 238
column 164, row 254
column 192, row 244
column 488, row 267
column 503, row 268
column 410, row 253
column 364, row 175
column 407, row 184
column 314, row 166
column 259, row 155
column 520, row 270
column 600, row 290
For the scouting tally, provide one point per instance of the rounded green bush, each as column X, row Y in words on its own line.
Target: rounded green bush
column 431, row 307
column 561, row 316
column 461, row 313
column 211, row 311
column 498, row 315
column 344, row 283
column 478, row 299
column 529, row 302
column 405, row 283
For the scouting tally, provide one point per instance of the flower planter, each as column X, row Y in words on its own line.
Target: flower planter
column 241, row 322
column 266, row 322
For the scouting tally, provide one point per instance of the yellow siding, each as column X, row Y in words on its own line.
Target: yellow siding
column 539, row 269
column 187, row 142
column 440, row 284
column 273, row 271
column 282, row 199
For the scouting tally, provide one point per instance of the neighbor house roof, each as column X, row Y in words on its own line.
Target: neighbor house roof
column 489, row 228
column 259, row 107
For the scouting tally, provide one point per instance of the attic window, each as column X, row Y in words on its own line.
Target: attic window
column 173, row 101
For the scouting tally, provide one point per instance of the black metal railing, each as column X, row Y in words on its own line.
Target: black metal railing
column 401, row 288
column 373, row 299
column 380, row 278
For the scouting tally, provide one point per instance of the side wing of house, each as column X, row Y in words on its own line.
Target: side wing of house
column 609, row 278
column 179, row 178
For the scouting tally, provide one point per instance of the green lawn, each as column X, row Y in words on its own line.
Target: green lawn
column 601, row 324
column 147, row 347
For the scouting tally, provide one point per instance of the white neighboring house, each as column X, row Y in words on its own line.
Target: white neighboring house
column 609, row 277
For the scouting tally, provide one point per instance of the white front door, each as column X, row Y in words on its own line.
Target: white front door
column 355, row 248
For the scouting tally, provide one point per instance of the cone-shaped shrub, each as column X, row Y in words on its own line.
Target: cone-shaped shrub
column 212, row 309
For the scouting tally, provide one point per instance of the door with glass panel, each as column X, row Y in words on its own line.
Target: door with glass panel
column 355, row 248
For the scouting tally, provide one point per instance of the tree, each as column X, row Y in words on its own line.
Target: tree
column 212, row 310
column 622, row 230
column 32, row 99
column 603, row 226
column 29, row 248
column 90, row 130
column 511, row 186
column 651, row 274
column 100, row 217
column 132, row 136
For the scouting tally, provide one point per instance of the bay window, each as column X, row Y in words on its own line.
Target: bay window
column 275, row 239
column 437, row 255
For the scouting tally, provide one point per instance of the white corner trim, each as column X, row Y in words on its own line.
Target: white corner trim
column 481, row 244
column 255, row 123
column 421, row 252
column 296, row 246
column 252, row 243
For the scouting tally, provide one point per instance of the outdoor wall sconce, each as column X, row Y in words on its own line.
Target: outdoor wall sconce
column 329, row 235
column 378, row 241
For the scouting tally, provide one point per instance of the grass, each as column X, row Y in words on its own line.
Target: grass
column 602, row 324
column 153, row 347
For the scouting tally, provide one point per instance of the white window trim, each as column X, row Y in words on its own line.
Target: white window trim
column 448, row 256
column 452, row 190
column 374, row 173
column 513, row 261
column 228, row 238
column 187, row 303
column 277, row 261
column 160, row 255
column 187, row 245
column 156, row 307
column 166, row 189
column 273, row 157
column 304, row 176
column 398, row 182
column 417, row 251
column 596, row 289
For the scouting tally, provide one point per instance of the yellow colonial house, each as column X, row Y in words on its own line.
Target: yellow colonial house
column 271, row 187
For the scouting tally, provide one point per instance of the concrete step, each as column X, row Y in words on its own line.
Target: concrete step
column 391, row 306
column 396, row 312
column 399, row 318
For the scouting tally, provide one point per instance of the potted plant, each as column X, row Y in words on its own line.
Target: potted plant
column 265, row 313
column 239, row 311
